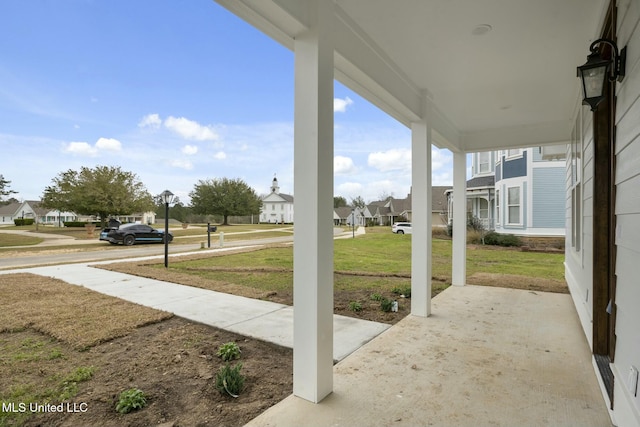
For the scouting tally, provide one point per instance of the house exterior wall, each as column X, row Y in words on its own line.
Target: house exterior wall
column 579, row 241
column 548, row 203
column 579, row 215
column 514, row 166
column 627, row 181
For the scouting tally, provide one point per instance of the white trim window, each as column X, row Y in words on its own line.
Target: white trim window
column 514, row 213
column 483, row 209
column 484, row 162
column 575, row 162
column 514, row 153
column 497, row 206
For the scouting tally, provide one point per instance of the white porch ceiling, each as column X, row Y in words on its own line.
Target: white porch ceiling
column 514, row 85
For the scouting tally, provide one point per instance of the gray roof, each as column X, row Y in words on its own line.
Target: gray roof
column 10, row 209
column 481, row 182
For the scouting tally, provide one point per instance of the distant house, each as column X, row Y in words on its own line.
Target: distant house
column 386, row 212
column 277, row 207
column 517, row 191
column 32, row 209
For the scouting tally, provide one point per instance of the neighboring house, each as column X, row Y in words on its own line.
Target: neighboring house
column 142, row 218
column 517, row 191
column 32, row 209
column 277, row 207
column 386, row 212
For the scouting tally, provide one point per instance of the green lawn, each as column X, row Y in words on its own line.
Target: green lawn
column 8, row 240
column 378, row 259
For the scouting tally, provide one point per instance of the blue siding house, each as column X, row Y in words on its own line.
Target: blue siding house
column 518, row 191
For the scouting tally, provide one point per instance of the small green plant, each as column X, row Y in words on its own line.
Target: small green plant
column 229, row 380
column 386, row 305
column 355, row 306
column 229, row 351
column 402, row 290
column 131, row 400
column 377, row 297
column 69, row 386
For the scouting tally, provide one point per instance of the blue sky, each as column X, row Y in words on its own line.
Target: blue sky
column 175, row 92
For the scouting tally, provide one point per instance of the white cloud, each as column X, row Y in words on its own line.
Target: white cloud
column 182, row 164
column 81, row 148
column 190, row 129
column 220, row 155
column 190, row 149
column 150, row 120
column 108, row 144
column 393, row 159
column 86, row 149
column 340, row 105
column 343, row 165
column 349, row 189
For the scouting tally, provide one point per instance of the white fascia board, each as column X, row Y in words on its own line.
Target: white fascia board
column 281, row 20
column 524, row 136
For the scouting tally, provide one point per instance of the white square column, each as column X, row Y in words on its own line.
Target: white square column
column 459, row 257
column 313, row 205
column 421, row 217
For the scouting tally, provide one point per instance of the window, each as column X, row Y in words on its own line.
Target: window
column 483, row 209
column 513, row 153
column 273, row 207
column 497, row 206
column 483, row 162
column 575, row 164
column 513, row 205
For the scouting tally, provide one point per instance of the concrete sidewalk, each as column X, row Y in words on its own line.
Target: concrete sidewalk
column 264, row 320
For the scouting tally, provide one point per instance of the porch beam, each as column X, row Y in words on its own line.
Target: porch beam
column 313, row 205
column 459, row 257
column 421, row 216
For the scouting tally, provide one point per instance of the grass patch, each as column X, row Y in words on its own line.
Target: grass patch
column 75, row 315
column 8, row 240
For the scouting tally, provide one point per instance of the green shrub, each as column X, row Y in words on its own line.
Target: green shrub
column 229, row 380
column 131, row 400
column 355, row 306
column 23, row 221
column 376, row 297
column 403, row 290
column 229, row 351
column 386, row 305
column 496, row 239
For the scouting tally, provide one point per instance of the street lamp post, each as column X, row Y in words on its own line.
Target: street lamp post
column 167, row 197
column 353, row 224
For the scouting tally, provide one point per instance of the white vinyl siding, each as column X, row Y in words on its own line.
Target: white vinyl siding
column 627, row 237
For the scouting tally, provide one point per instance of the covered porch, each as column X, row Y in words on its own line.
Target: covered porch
column 485, row 357
column 468, row 76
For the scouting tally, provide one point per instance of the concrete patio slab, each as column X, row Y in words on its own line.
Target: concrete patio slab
column 486, row 357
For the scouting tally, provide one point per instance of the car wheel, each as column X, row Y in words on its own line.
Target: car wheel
column 400, row 232
column 170, row 239
column 129, row 240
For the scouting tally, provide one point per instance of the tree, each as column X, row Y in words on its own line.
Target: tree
column 104, row 191
column 358, row 202
column 339, row 202
column 224, row 197
column 4, row 189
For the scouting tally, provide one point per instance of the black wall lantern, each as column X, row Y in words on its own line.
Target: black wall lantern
column 598, row 71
